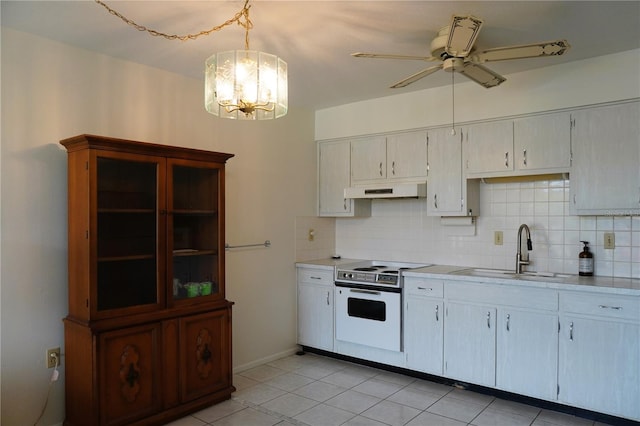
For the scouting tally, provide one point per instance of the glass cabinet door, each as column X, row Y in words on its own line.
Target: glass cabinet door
column 127, row 224
column 194, row 236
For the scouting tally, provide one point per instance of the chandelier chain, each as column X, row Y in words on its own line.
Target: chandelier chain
column 238, row 18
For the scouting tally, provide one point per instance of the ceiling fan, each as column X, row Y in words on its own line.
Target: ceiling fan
column 454, row 47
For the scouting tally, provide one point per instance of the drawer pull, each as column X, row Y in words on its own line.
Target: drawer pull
column 425, row 288
column 617, row 308
column 316, row 278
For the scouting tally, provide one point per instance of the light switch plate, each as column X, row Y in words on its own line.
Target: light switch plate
column 609, row 240
column 497, row 238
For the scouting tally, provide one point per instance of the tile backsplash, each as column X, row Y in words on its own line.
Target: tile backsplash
column 401, row 230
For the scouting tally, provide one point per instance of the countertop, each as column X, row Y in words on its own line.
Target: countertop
column 596, row 284
column 610, row 285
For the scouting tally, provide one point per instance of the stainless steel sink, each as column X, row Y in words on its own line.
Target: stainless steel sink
column 504, row 273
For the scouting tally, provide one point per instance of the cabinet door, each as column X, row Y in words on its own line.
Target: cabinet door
column 368, row 160
column 489, row 148
column 126, row 234
column 334, row 175
column 444, row 191
column 605, row 177
column 315, row 315
column 542, row 143
column 129, row 374
column 470, row 343
column 599, row 365
column 204, row 354
column 195, row 232
column 407, row 156
column 527, row 353
column 423, row 328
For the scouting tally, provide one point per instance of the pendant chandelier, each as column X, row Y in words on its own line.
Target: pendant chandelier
column 239, row 84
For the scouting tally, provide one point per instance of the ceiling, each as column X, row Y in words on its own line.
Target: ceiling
column 316, row 38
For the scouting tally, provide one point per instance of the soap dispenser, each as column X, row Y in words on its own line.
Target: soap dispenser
column 585, row 267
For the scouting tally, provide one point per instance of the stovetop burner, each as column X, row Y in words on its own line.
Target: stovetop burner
column 387, row 274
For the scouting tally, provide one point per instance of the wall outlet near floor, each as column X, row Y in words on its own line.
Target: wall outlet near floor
column 497, row 238
column 609, row 240
column 53, row 357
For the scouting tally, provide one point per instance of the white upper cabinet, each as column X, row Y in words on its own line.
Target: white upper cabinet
column 542, row 144
column 605, row 174
column 489, row 148
column 449, row 193
column 533, row 145
column 369, row 159
column 407, row 156
column 334, row 167
column 396, row 157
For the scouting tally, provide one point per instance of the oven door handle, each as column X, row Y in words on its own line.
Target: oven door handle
column 353, row 290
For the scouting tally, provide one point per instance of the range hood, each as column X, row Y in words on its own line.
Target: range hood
column 387, row 190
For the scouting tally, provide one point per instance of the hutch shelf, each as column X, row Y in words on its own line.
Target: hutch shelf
column 148, row 334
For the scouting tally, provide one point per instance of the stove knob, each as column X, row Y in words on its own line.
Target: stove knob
column 350, row 275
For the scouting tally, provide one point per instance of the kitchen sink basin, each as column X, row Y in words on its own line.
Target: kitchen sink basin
column 504, row 273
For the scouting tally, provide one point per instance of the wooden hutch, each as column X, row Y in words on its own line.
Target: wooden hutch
column 148, row 334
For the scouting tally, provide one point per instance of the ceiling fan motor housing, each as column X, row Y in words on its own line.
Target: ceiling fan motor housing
column 453, row 64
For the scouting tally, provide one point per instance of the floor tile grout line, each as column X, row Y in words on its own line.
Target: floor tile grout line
column 264, row 410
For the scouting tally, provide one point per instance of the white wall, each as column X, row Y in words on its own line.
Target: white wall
column 400, row 229
column 51, row 91
column 603, row 79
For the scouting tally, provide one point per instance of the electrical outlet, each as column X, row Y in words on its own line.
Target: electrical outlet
column 53, row 357
column 311, row 235
column 497, row 238
column 609, row 240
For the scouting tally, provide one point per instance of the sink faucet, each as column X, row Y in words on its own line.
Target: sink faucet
column 519, row 260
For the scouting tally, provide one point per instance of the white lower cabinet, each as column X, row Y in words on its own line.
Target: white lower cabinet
column 470, row 343
column 527, row 352
column 423, row 325
column 493, row 338
column 600, row 353
column 315, row 308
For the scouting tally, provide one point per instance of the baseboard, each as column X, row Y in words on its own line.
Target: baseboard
column 264, row 360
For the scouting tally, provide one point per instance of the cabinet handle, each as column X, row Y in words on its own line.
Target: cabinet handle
column 393, row 168
column 345, row 204
column 425, row 288
column 380, row 169
column 488, row 319
column 327, row 298
column 617, row 308
column 506, row 159
column 508, row 318
column 435, row 201
column 524, row 154
column 571, row 330
column 437, row 307
column 316, row 278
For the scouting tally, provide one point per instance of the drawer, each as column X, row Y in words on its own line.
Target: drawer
column 423, row 287
column 503, row 295
column 315, row 276
column 604, row 305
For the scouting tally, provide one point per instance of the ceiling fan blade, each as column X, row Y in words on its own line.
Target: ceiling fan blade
column 481, row 75
column 415, row 77
column 533, row 50
column 392, row 56
column 463, row 33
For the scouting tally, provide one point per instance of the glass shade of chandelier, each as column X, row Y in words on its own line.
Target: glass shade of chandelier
column 246, row 85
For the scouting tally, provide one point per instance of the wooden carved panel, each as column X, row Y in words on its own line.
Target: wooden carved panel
column 203, row 339
column 203, row 353
column 130, row 373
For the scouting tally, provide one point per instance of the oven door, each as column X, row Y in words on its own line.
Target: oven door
column 370, row 317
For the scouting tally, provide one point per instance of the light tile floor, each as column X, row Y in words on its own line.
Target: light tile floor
column 313, row 390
